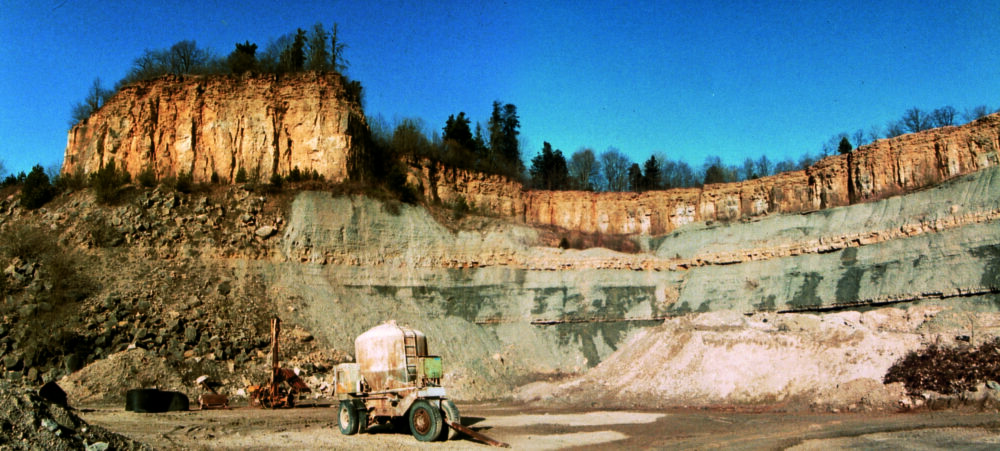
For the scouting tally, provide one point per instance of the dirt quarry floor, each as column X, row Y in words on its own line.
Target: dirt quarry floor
column 315, row 427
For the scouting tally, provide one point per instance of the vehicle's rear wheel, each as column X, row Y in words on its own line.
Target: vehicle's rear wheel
column 450, row 412
column 347, row 418
column 425, row 421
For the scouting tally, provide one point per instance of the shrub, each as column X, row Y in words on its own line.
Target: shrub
column 947, row 370
column 71, row 182
column 36, row 190
column 147, row 177
column 184, row 182
column 459, row 208
column 241, row 175
column 276, row 181
column 107, row 181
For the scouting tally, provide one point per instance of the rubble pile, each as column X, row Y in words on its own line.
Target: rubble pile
column 30, row 422
column 84, row 282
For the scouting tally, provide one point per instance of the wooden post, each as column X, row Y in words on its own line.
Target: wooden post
column 275, row 330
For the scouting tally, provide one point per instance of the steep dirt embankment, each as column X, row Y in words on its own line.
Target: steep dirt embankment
column 208, row 125
column 879, row 170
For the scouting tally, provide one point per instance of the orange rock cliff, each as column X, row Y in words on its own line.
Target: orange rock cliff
column 207, row 125
column 268, row 124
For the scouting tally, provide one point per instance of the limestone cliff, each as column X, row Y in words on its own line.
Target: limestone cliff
column 265, row 124
column 271, row 124
column 885, row 168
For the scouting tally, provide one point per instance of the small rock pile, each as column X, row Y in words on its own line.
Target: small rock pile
column 30, row 422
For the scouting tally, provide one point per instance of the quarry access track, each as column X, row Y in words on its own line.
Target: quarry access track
column 535, row 428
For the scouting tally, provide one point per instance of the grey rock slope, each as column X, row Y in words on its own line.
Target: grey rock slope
column 502, row 312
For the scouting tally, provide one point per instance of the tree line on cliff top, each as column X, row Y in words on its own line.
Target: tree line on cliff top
column 316, row 50
column 495, row 148
column 479, row 148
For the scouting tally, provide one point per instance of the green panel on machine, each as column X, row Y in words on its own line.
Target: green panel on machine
column 431, row 366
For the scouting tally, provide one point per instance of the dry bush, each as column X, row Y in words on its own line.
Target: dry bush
column 947, row 370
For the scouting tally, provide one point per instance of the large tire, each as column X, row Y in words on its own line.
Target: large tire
column 178, row 401
column 144, row 400
column 425, row 421
column 347, row 418
column 450, row 412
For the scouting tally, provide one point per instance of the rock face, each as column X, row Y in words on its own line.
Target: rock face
column 264, row 124
column 883, row 169
column 268, row 124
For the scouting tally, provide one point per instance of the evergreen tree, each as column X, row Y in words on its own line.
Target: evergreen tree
column 651, row 174
column 844, row 146
column 457, row 129
column 37, row 189
column 293, row 58
column 244, row 58
column 635, row 180
column 505, row 156
column 548, row 169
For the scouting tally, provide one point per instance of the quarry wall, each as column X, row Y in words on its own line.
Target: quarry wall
column 271, row 124
column 263, row 123
column 879, row 170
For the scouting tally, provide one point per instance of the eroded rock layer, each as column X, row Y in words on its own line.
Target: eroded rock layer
column 268, row 124
column 879, row 170
column 264, row 124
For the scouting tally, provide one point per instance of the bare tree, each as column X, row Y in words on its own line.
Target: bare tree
column 584, row 170
column 615, row 166
column 749, row 170
column 763, row 166
column 894, row 129
column 915, row 120
column 318, row 57
column 943, row 117
column 676, row 174
column 337, row 47
column 269, row 59
column 859, row 138
column 3, row 170
column 185, row 57
column 874, row 133
column 976, row 112
column 97, row 96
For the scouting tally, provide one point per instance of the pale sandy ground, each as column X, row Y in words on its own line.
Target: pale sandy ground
column 532, row 428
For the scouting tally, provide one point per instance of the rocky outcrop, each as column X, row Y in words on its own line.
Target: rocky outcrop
column 269, row 124
column 885, row 168
column 207, row 125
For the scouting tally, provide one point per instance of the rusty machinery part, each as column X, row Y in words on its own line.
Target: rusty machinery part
column 208, row 401
column 476, row 435
column 425, row 421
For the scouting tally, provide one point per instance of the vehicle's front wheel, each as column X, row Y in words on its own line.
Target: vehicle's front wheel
column 425, row 421
column 347, row 418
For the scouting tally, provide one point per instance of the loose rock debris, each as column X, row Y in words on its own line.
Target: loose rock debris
column 30, row 422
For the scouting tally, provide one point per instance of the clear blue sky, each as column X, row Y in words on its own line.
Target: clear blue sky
column 687, row 78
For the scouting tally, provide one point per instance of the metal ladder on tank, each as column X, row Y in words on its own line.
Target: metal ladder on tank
column 410, row 351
